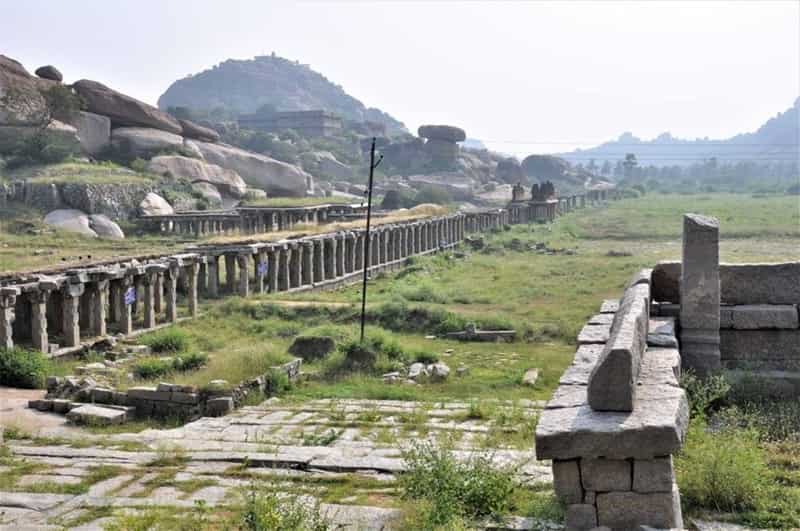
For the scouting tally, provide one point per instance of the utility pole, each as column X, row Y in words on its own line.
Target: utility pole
column 372, row 166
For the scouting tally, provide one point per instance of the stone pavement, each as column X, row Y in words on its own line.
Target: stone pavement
column 304, row 448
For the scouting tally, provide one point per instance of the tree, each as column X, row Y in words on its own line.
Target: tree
column 606, row 169
column 629, row 165
column 592, row 166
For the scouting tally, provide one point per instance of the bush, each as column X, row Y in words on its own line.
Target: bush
column 266, row 511
column 723, row 471
column 704, row 394
column 189, row 362
column 454, row 489
column 170, row 340
column 23, row 368
column 150, row 368
column 433, row 194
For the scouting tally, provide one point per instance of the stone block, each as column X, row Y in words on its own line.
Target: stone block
column 612, row 384
column 662, row 340
column 185, row 398
column 580, row 517
column 641, row 277
column 606, row 474
column 567, row 481
column 628, row 510
column 609, row 306
column 660, row 366
column 665, row 282
column 41, row 404
column 601, row 319
column 102, row 395
column 760, row 283
column 96, row 416
column 217, row 407
column 760, row 345
column 585, row 359
column 700, row 284
column 148, row 393
column 61, row 406
column 592, row 334
column 653, row 475
column 655, row 428
column 759, row 316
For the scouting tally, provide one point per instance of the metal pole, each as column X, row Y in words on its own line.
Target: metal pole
column 372, row 166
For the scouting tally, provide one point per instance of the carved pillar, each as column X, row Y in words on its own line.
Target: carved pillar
column 70, row 312
column 99, row 307
column 295, row 265
column 8, row 298
column 283, row 268
column 38, row 300
column 244, row 274
column 202, row 279
column 171, row 291
column 230, row 273
column 158, row 293
column 191, row 287
column 212, row 276
column 307, row 249
column 330, row 258
column 272, row 269
column 339, row 255
column 149, row 298
column 319, row 260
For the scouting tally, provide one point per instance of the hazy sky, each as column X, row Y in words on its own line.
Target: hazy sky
column 518, row 75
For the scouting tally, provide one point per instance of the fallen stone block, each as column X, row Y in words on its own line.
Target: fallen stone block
column 41, row 404
column 218, row 407
column 96, row 416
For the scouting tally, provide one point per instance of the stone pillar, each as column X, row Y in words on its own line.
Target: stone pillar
column 8, row 298
column 283, row 268
column 388, row 233
column 191, row 287
column 339, row 255
column 212, row 275
column 243, row 264
column 272, row 269
column 384, row 247
column 70, row 311
column 202, row 279
column 38, row 300
column 330, row 258
column 171, row 291
column 149, row 298
column 295, row 265
column 100, row 307
column 307, row 250
column 348, row 253
column 230, row 273
column 700, row 294
column 319, row 260
column 261, row 271
column 358, row 251
column 158, row 293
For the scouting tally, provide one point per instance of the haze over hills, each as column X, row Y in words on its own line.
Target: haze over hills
column 243, row 86
column 776, row 141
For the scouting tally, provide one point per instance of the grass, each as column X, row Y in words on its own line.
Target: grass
column 81, row 173
column 299, row 201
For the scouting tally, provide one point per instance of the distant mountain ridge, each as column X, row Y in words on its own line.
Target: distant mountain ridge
column 243, row 86
column 776, row 141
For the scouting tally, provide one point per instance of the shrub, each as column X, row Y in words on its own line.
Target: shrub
column 723, row 471
column 433, row 194
column 704, row 394
column 359, row 356
column 189, row 362
column 426, row 357
column 150, row 368
column 266, row 511
column 277, row 383
column 454, row 489
column 23, row 368
column 170, row 340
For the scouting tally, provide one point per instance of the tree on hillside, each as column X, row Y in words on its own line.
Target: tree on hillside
column 629, row 165
column 606, row 169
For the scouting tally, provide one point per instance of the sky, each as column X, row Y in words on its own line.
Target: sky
column 523, row 77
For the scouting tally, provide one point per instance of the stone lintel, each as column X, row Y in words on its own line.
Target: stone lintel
column 759, row 316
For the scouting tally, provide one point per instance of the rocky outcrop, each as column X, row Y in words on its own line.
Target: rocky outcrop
column 118, row 201
column 23, row 103
column 94, row 132
column 155, row 205
column 259, row 171
column 324, row 163
column 59, row 136
column 209, row 193
column 123, row 110
column 441, row 144
column 226, row 181
column 510, row 171
column 144, row 142
column 49, row 72
column 105, row 228
column 447, row 133
column 198, row 132
column 70, row 220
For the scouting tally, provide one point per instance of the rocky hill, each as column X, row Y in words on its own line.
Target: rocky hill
column 243, row 86
column 777, row 140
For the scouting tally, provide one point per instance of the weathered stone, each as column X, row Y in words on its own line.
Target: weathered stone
column 123, row 110
column 148, row 393
column 70, row 220
column 567, row 481
column 612, row 384
column 601, row 319
column 144, row 142
column 582, row 364
column 760, row 283
column 102, row 395
column 94, row 132
column 653, row 475
column 41, row 404
column 590, row 334
column 197, row 131
column 49, row 72
column 530, row 377
column 580, row 517
column 609, row 306
column 662, row 340
column 660, row 366
column 442, row 132
column 700, row 294
column 605, row 474
column 439, row 371
column 665, row 282
column 28, row 107
column 155, row 205
column 640, row 277
column 760, row 345
column 217, row 407
column 96, row 416
column 105, row 228
column 759, row 316
column 312, row 348
column 417, row 370
column 225, row 180
column 654, row 429
column 627, row 510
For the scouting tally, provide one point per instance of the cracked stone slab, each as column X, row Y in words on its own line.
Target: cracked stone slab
column 585, row 359
column 609, row 306
column 601, row 319
column 32, row 501
column 594, row 334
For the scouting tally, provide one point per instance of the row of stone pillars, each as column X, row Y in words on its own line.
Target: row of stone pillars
column 67, row 310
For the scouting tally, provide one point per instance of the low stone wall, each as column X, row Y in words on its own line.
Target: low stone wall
column 163, row 401
column 617, row 418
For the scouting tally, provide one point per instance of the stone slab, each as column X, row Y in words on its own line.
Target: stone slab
column 148, row 393
column 629, row 510
column 96, row 415
column 593, row 334
column 653, row 475
column 656, row 427
column 606, row 474
column 609, row 306
column 661, row 325
column 660, row 366
column 760, row 345
column 584, row 361
column 601, row 319
column 759, row 316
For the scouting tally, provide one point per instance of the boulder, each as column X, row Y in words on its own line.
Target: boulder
column 70, row 220
column 59, row 138
column 442, row 151
column 530, row 377
column 155, row 205
column 312, row 347
column 198, row 132
column 439, row 371
column 510, row 171
column 417, row 370
column 442, row 132
column 209, row 193
column 259, row 171
column 123, row 110
column 325, row 163
column 49, row 72
column 25, row 104
column 226, row 181
column 105, row 227
column 190, row 149
column 94, row 132
column 144, row 142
